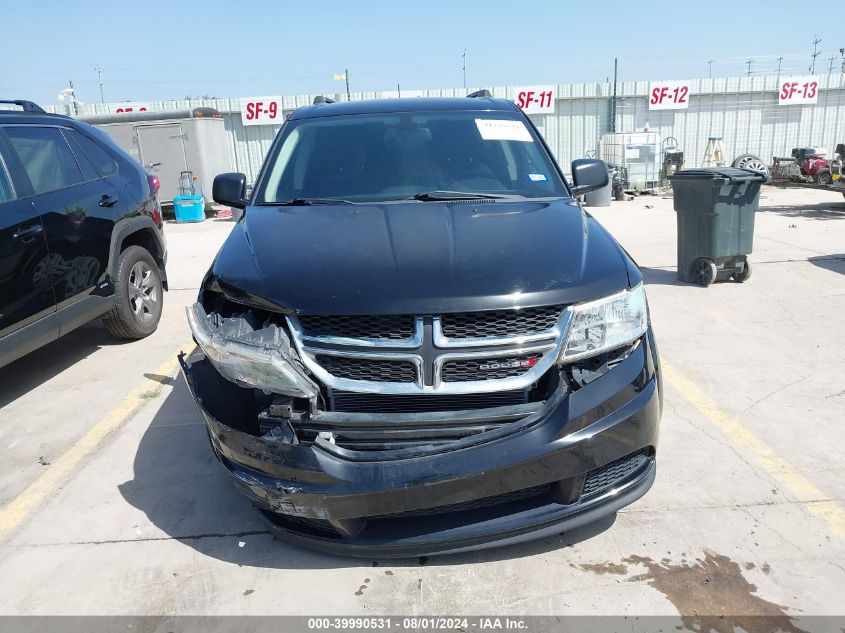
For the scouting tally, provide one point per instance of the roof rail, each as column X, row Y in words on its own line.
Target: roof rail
column 26, row 106
column 478, row 94
column 321, row 99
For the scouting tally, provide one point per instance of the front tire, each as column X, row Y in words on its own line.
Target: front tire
column 704, row 271
column 824, row 178
column 138, row 296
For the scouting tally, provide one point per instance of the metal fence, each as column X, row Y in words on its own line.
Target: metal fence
column 744, row 111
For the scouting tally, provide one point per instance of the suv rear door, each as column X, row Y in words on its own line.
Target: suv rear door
column 26, row 293
column 79, row 208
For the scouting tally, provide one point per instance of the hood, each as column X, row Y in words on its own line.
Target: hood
column 418, row 257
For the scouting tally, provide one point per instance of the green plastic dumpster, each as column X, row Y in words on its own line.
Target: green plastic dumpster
column 715, row 209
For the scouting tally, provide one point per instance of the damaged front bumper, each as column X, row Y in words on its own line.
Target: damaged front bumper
column 580, row 455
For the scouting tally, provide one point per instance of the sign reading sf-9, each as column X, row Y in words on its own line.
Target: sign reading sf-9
column 669, row 95
column 261, row 111
column 795, row 90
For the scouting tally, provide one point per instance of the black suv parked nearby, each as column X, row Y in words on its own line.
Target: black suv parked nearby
column 416, row 341
column 80, row 233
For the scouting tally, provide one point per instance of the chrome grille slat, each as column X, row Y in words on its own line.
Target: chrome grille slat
column 463, row 364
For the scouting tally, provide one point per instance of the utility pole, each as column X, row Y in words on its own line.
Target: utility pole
column 830, row 68
column 816, row 53
column 710, row 69
column 613, row 101
column 346, row 74
column 73, row 98
column 842, row 52
column 100, row 81
column 749, row 62
column 464, row 68
column 780, row 64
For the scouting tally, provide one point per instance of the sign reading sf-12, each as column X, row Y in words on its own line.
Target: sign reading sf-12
column 262, row 111
column 669, row 95
column 798, row 90
column 536, row 99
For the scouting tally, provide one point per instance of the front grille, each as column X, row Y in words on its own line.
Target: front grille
column 613, row 473
column 392, row 403
column 368, row 368
column 389, row 326
column 487, row 368
column 500, row 322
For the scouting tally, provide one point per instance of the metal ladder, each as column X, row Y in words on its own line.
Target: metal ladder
column 714, row 155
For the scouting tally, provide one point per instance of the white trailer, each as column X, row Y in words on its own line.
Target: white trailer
column 168, row 143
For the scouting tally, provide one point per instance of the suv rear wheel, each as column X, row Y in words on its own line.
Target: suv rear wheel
column 139, row 295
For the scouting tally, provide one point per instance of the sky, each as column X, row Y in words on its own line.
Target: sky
column 155, row 50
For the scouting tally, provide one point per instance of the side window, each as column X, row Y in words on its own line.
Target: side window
column 105, row 164
column 88, row 171
column 6, row 191
column 45, row 156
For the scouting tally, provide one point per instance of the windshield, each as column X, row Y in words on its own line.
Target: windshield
column 380, row 157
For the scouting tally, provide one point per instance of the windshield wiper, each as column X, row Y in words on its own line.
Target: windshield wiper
column 459, row 195
column 298, row 202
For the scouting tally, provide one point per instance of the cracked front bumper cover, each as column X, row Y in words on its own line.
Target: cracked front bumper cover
column 452, row 500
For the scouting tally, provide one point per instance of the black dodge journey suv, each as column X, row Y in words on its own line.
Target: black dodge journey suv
column 415, row 340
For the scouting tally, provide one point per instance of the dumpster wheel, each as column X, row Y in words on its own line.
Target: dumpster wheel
column 704, row 271
column 742, row 275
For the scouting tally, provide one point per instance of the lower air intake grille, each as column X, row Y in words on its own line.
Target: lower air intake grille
column 368, row 369
column 613, row 473
column 389, row 403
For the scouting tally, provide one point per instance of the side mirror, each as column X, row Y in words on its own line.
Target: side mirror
column 588, row 174
column 230, row 189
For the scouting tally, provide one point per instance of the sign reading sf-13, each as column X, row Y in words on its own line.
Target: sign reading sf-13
column 798, row 90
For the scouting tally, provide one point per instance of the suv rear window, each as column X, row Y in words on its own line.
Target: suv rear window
column 46, row 157
column 380, row 157
column 102, row 160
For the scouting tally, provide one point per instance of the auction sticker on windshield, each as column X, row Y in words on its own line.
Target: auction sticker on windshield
column 503, row 130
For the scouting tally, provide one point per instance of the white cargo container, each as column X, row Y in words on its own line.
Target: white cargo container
column 171, row 142
column 638, row 153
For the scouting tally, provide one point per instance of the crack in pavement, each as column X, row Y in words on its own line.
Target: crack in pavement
column 151, row 539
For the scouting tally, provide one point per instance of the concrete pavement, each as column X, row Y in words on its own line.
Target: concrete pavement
column 746, row 516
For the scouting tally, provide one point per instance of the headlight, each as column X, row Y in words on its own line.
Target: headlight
column 251, row 363
column 605, row 324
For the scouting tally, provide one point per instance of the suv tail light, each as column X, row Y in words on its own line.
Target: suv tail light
column 155, row 183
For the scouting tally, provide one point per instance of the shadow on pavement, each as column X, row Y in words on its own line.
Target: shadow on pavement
column 30, row 371
column 833, row 210
column 662, row 276
column 833, row 263
column 187, row 494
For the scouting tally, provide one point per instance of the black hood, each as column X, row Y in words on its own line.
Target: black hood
column 418, row 257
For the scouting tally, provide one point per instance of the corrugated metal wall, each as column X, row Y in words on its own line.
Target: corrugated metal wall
column 744, row 111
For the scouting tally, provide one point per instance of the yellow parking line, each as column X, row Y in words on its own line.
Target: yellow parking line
column 792, row 481
column 63, row 468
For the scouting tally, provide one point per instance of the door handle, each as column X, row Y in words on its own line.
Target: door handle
column 108, row 201
column 28, row 234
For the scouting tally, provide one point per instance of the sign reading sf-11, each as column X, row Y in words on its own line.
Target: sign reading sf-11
column 798, row 90
column 669, row 95
column 262, row 111
column 536, row 99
